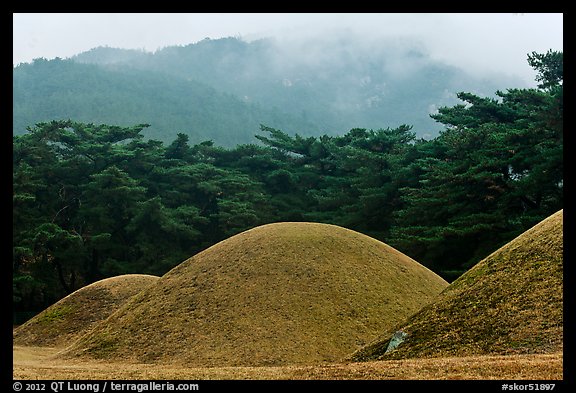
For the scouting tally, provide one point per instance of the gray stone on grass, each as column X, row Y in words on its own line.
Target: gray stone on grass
column 397, row 339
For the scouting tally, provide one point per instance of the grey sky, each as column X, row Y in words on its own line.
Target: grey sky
column 479, row 42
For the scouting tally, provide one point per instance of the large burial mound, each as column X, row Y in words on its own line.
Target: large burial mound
column 284, row 293
column 510, row 302
column 74, row 315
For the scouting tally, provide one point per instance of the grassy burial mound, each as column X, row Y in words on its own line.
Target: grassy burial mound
column 283, row 293
column 508, row 303
column 74, row 315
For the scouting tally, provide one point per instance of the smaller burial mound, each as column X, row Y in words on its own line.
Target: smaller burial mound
column 278, row 294
column 511, row 302
column 74, row 315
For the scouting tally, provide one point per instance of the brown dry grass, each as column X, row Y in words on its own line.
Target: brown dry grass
column 285, row 293
column 509, row 303
column 39, row 363
column 72, row 316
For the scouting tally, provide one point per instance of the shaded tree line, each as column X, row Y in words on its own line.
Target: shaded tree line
column 92, row 201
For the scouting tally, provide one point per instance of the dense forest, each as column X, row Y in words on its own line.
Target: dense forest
column 223, row 89
column 94, row 200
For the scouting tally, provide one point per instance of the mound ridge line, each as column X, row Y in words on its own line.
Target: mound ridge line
column 75, row 314
column 278, row 294
column 511, row 302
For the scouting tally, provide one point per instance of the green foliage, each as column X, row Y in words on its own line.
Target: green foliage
column 91, row 201
column 496, row 170
column 550, row 67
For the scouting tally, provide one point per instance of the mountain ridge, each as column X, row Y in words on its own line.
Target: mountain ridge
column 311, row 88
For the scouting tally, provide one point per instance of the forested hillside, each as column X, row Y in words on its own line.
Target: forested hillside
column 223, row 89
column 95, row 200
column 62, row 89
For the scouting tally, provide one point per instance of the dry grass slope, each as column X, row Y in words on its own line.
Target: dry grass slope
column 284, row 293
column 509, row 303
column 74, row 315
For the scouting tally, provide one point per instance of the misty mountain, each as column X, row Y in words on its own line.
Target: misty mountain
column 338, row 82
column 63, row 89
column 223, row 89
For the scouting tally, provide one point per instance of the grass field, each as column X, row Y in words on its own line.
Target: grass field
column 35, row 363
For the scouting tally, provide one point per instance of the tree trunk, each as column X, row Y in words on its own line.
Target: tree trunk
column 61, row 277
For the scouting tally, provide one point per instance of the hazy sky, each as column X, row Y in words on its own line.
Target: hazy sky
column 479, row 42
